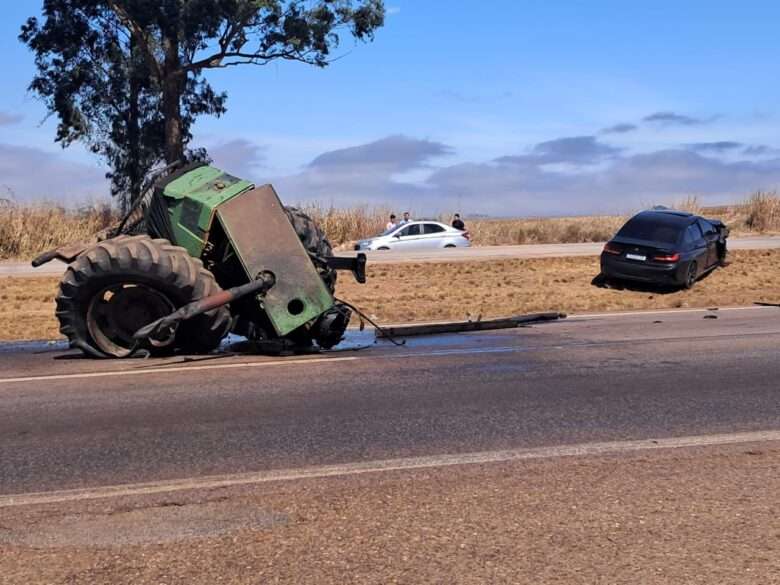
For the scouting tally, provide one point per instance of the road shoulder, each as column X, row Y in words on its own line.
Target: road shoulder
column 697, row 515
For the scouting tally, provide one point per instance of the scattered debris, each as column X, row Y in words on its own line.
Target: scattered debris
column 463, row 326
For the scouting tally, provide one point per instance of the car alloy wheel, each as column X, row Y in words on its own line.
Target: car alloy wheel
column 690, row 275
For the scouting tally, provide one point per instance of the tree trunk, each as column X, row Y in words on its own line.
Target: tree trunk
column 134, row 136
column 172, row 88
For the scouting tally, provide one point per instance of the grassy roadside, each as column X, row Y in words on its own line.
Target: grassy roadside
column 26, row 231
column 459, row 290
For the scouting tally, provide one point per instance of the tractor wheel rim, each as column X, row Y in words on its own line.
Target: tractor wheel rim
column 119, row 310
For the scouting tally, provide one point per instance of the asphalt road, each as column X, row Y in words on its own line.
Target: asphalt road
column 56, row 268
column 68, row 422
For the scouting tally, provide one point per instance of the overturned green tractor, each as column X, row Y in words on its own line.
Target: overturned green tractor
column 202, row 254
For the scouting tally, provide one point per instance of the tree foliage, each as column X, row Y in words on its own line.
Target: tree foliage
column 127, row 76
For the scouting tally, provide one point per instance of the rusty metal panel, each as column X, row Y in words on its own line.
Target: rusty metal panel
column 264, row 239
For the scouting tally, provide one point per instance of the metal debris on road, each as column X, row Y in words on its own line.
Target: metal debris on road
column 465, row 326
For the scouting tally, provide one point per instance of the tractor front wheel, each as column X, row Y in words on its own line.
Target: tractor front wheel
column 119, row 285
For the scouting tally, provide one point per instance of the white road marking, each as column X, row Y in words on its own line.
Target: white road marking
column 383, row 466
column 165, row 370
column 666, row 312
column 258, row 364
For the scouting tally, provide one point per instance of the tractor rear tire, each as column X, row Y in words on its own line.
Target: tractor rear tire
column 121, row 284
column 315, row 242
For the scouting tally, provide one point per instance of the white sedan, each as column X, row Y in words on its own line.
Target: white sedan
column 417, row 235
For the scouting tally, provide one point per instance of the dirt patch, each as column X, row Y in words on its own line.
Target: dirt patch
column 459, row 290
column 167, row 523
column 27, row 308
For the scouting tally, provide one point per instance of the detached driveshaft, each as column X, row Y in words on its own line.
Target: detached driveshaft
column 166, row 325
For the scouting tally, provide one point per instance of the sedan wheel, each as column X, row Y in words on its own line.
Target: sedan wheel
column 690, row 275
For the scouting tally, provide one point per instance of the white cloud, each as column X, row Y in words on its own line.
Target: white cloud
column 32, row 173
column 622, row 128
column 675, row 119
column 7, row 118
column 568, row 175
column 573, row 175
column 239, row 157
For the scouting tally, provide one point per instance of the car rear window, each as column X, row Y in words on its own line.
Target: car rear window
column 432, row 228
column 652, row 229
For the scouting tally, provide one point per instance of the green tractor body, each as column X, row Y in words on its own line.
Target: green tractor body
column 192, row 199
column 206, row 230
column 211, row 212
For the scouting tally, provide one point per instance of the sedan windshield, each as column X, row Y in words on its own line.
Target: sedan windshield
column 652, row 229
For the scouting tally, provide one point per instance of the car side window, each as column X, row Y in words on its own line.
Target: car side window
column 410, row 230
column 432, row 228
column 692, row 234
column 707, row 227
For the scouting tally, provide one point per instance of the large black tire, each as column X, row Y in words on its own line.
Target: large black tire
column 314, row 240
column 113, row 286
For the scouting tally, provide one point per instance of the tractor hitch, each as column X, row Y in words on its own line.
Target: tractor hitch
column 356, row 265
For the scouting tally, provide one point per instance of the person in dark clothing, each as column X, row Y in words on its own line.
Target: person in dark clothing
column 457, row 223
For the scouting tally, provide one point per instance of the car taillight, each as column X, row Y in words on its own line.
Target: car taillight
column 667, row 258
column 466, row 235
column 612, row 249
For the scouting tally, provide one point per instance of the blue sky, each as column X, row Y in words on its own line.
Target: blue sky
column 500, row 107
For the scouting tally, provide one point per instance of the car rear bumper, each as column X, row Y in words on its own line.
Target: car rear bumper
column 618, row 267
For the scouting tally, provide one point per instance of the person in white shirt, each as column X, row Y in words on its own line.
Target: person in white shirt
column 392, row 223
column 407, row 218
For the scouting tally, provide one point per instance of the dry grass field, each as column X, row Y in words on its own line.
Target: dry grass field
column 27, row 231
column 436, row 291
column 433, row 291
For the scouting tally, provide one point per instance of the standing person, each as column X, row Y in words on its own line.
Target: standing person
column 407, row 218
column 392, row 224
column 457, row 223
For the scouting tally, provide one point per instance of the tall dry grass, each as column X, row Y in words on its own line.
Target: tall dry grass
column 691, row 204
column 347, row 225
column 28, row 230
column 762, row 212
column 559, row 230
